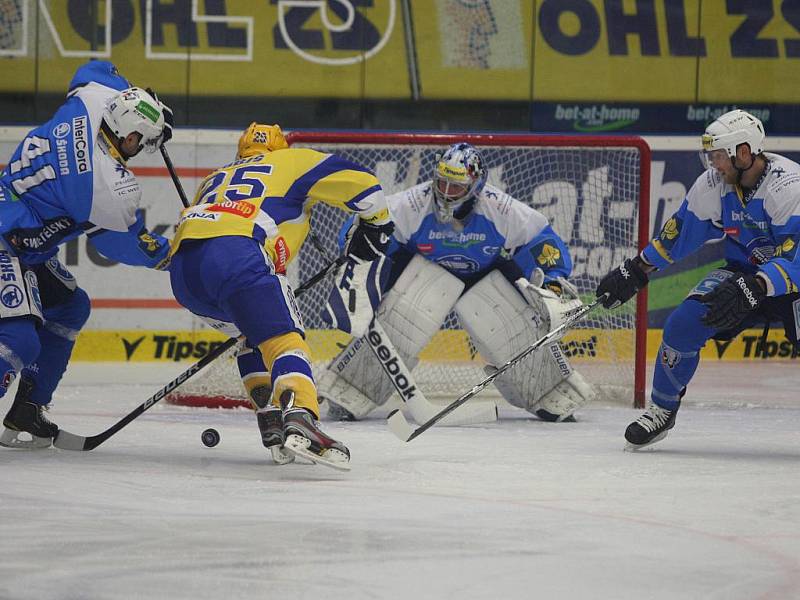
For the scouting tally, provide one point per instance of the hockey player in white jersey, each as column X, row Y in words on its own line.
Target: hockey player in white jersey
column 750, row 199
column 68, row 177
column 463, row 245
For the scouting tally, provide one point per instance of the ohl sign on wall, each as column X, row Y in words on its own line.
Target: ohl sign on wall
column 578, row 50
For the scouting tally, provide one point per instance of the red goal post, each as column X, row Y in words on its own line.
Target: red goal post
column 594, row 189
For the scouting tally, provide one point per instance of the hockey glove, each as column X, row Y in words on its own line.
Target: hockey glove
column 732, row 300
column 367, row 242
column 622, row 283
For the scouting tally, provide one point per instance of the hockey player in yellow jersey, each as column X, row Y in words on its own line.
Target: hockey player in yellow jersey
column 248, row 220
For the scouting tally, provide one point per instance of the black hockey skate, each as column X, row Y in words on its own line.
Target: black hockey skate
column 270, row 424
column 27, row 417
column 651, row 427
column 305, row 439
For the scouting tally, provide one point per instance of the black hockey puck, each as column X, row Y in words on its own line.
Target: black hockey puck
column 210, row 437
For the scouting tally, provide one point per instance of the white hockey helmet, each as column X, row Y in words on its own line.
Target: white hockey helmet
column 458, row 180
column 724, row 135
column 134, row 110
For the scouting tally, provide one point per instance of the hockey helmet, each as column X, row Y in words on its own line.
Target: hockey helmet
column 724, row 135
column 134, row 110
column 260, row 139
column 458, row 180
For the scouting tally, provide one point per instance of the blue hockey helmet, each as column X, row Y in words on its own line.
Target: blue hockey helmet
column 458, row 180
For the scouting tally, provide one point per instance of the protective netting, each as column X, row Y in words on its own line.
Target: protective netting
column 591, row 195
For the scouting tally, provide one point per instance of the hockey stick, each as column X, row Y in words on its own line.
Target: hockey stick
column 402, row 379
column 174, row 176
column 70, row 441
column 406, row 432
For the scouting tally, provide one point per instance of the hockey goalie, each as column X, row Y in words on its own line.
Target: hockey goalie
column 463, row 245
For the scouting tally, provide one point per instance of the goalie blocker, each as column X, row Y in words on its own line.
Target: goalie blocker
column 498, row 320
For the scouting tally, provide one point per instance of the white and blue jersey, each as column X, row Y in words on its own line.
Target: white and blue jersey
column 66, row 178
column 499, row 229
column 761, row 226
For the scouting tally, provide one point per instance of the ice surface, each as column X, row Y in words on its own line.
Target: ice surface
column 517, row 509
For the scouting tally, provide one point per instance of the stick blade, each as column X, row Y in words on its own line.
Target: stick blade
column 399, row 425
column 69, row 441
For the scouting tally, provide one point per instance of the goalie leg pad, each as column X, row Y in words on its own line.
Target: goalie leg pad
column 501, row 324
column 568, row 396
column 411, row 313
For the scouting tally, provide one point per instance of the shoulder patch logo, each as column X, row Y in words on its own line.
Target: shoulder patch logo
column 670, row 230
column 550, row 256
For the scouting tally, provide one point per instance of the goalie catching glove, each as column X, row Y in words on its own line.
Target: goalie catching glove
column 621, row 284
column 552, row 307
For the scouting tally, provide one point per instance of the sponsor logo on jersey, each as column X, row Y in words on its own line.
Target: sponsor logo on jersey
column 734, row 231
column 458, row 239
column 11, row 295
column 457, row 262
column 7, row 270
column 490, row 250
column 80, row 144
column 240, row 209
column 37, row 239
column 425, row 248
column 747, row 220
column 61, row 155
column 33, row 289
column 192, row 216
column 281, row 255
column 61, row 130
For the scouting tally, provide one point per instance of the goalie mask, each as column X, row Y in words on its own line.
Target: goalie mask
column 722, row 137
column 458, row 180
column 135, row 111
column 260, row 139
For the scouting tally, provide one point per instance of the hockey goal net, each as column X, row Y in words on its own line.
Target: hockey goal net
column 595, row 191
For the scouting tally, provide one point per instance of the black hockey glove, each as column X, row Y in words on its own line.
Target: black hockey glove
column 732, row 300
column 622, row 283
column 367, row 242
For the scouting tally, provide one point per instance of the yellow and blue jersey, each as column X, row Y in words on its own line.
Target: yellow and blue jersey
column 269, row 197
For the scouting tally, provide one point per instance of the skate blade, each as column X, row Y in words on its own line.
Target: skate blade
column 281, row 456
column 333, row 458
column 629, row 447
column 10, row 439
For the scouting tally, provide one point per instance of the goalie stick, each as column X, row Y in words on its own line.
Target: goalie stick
column 70, row 441
column 401, row 377
column 403, row 381
column 399, row 425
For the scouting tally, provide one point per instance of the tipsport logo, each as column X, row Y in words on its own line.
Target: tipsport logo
column 353, row 30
